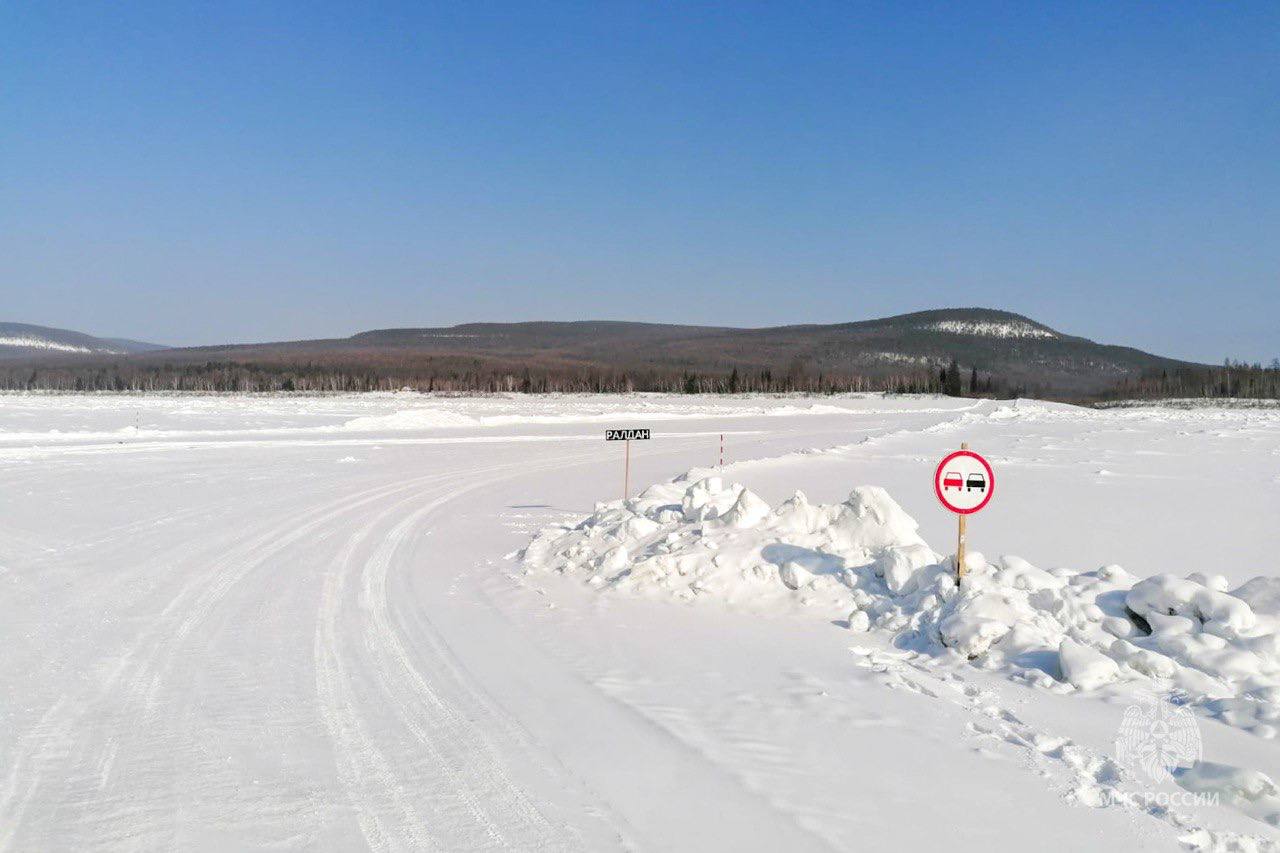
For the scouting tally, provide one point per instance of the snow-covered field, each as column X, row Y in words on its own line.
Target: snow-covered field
column 319, row 623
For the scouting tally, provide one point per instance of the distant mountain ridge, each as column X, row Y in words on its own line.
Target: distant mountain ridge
column 23, row 340
column 1019, row 352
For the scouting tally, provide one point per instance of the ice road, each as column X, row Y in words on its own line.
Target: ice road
column 292, row 623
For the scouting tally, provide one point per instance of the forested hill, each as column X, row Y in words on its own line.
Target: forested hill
column 993, row 352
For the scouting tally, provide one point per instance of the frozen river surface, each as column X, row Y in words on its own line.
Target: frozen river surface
column 298, row 623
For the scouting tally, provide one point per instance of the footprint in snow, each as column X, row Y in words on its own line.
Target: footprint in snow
column 1092, row 779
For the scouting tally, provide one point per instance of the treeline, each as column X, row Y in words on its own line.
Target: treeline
column 462, row 375
column 1234, row 379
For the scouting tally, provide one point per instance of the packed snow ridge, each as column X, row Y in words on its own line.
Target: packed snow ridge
column 989, row 329
column 431, row 416
column 699, row 537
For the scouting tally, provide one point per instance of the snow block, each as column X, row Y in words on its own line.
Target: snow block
column 1166, row 595
column 1086, row 667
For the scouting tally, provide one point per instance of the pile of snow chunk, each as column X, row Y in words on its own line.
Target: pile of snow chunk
column 706, row 537
column 1248, row 790
column 703, row 538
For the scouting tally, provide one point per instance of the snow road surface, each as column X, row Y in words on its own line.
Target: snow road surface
column 300, row 623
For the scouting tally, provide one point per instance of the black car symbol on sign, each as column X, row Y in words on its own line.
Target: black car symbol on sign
column 975, row 481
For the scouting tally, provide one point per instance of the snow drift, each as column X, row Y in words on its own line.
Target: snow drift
column 863, row 561
column 435, row 414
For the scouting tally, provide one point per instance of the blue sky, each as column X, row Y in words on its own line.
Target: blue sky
column 258, row 171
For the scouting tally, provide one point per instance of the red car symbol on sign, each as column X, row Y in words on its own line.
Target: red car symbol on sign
column 964, row 482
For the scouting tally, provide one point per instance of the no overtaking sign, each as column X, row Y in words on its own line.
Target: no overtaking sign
column 964, row 482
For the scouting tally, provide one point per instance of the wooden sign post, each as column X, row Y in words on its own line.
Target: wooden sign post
column 627, row 436
column 964, row 483
column 961, row 530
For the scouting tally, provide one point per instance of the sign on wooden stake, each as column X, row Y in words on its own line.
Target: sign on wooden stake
column 964, row 483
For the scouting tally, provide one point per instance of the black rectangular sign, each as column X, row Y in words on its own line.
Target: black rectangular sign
column 626, row 435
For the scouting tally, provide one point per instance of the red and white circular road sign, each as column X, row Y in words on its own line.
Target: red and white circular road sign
column 964, row 482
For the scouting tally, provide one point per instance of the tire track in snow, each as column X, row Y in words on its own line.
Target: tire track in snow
column 361, row 765
column 12, row 807
column 63, row 750
column 473, row 791
column 137, row 676
column 479, row 760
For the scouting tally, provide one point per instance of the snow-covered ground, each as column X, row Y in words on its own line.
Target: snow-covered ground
column 320, row 623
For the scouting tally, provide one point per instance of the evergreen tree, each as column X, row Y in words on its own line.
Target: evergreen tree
column 951, row 382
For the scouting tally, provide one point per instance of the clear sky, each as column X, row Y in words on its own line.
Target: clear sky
column 270, row 171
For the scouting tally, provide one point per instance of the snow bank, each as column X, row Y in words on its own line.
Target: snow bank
column 434, row 416
column 410, row 419
column 863, row 562
column 706, row 537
